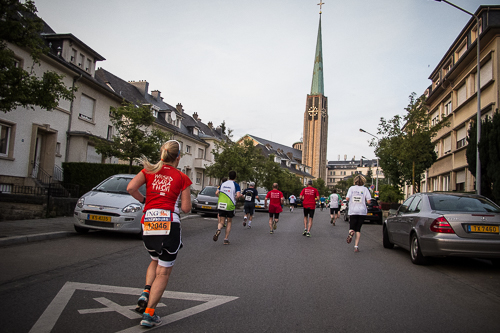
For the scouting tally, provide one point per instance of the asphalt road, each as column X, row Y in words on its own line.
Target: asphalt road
column 283, row 282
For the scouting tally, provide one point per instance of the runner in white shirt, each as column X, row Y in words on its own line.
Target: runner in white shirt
column 292, row 199
column 335, row 202
column 357, row 196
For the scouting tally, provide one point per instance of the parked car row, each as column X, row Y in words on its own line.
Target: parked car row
column 374, row 211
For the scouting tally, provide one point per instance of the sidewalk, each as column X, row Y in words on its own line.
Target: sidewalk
column 26, row 231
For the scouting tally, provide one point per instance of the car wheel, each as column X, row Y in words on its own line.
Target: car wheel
column 415, row 253
column 81, row 230
column 385, row 239
column 346, row 217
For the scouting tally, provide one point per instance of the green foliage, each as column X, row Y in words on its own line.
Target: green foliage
column 390, row 193
column 88, row 175
column 320, row 185
column 406, row 149
column 135, row 135
column 19, row 25
column 489, row 153
column 342, row 187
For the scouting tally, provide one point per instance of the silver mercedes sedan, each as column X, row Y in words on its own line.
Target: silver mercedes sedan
column 445, row 224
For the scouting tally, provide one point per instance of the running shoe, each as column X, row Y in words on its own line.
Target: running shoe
column 226, row 242
column 308, row 234
column 331, row 220
column 275, row 224
column 150, row 321
column 142, row 302
column 216, row 236
column 249, row 226
column 356, row 249
column 271, row 232
column 245, row 221
column 305, row 232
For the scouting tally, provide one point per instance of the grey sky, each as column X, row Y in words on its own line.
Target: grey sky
column 250, row 63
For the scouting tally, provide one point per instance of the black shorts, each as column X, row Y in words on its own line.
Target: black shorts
column 249, row 208
column 164, row 247
column 226, row 213
column 309, row 212
column 356, row 221
column 334, row 210
column 293, row 204
column 274, row 215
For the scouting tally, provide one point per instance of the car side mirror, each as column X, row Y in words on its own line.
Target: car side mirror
column 393, row 212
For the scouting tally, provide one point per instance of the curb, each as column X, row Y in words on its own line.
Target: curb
column 14, row 240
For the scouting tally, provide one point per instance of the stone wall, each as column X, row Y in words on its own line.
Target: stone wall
column 23, row 207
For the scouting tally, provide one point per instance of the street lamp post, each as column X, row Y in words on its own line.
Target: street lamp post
column 478, row 160
column 376, row 184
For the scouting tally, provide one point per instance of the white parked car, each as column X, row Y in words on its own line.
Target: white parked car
column 108, row 206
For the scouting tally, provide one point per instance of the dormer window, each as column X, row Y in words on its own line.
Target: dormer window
column 195, row 131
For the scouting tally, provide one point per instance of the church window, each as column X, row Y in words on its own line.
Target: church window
column 316, row 102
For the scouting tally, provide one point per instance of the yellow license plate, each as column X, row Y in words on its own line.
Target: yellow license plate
column 206, row 207
column 258, row 207
column 99, row 218
column 484, row 228
column 369, row 214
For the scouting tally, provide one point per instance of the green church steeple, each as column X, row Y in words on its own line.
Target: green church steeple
column 317, row 87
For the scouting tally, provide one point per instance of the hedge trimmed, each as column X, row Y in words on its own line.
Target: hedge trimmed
column 88, row 175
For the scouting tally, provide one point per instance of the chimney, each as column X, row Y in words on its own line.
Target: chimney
column 179, row 108
column 210, row 125
column 143, row 86
column 339, row 158
column 195, row 116
column 345, row 157
column 156, row 94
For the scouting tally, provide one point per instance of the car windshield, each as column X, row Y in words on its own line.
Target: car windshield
column 262, row 196
column 209, row 191
column 118, row 185
column 455, row 203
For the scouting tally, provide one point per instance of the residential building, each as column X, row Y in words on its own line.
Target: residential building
column 453, row 95
column 35, row 142
column 344, row 169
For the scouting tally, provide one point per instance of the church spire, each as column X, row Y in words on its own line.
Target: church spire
column 317, row 87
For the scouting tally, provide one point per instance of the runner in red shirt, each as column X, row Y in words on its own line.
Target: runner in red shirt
column 276, row 199
column 309, row 195
column 165, row 187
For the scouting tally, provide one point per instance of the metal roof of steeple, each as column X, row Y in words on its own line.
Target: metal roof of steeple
column 317, row 87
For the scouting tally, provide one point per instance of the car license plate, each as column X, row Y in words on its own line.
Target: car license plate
column 206, row 207
column 369, row 214
column 258, row 206
column 99, row 218
column 483, row 228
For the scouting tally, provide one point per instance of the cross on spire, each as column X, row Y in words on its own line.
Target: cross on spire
column 320, row 4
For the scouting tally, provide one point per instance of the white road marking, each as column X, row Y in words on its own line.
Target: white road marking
column 52, row 313
column 110, row 306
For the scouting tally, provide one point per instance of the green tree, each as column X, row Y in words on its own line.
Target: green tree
column 489, row 153
column 243, row 158
column 135, row 135
column 320, row 185
column 406, row 149
column 342, row 187
column 19, row 25
column 390, row 193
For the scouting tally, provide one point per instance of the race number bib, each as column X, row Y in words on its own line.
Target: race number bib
column 157, row 222
column 357, row 198
column 222, row 206
column 248, row 197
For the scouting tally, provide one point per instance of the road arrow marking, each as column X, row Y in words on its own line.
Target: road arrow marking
column 48, row 319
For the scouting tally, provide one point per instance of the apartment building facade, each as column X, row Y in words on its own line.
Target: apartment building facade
column 453, row 95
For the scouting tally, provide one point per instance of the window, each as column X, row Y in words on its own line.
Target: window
column 200, row 153
column 447, row 108
column 447, row 145
column 92, row 155
column 446, row 183
column 447, row 67
column 415, row 205
column 486, row 73
column 461, row 49
column 58, row 149
column 435, row 118
column 87, row 105
column 73, row 57
column 188, row 149
column 461, row 94
column 82, row 60
column 89, row 65
column 195, row 131
column 110, row 132
column 5, row 132
column 435, row 184
column 461, row 137
column 198, row 177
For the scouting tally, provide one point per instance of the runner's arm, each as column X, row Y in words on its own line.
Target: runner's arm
column 133, row 187
column 186, row 200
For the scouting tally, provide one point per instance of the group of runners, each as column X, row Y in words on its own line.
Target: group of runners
column 168, row 193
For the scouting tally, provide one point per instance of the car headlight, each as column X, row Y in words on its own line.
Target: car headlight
column 195, row 201
column 132, row 208
column 80, row 202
